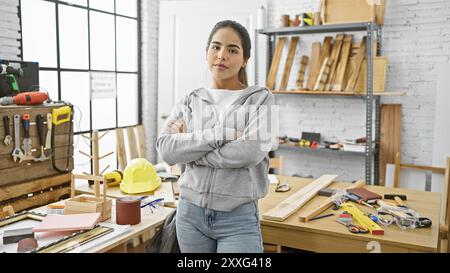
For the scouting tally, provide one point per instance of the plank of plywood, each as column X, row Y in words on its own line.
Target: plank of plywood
column 54, row 223
column 323, row 75
column 324, row 53
column 335, row 58
column 121, row 153
column 141, row 139
column 132, row 143
column 275, row 63
column 338, row 82
column 301, row 72
column 290, row 205
column 390, row 139
column 380, row 66
column 288, row 64
column 306, row 215
column 349, row 11
column 315, row 66
column 351, row 85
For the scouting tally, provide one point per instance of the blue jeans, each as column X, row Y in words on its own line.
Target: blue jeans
column 201, row 230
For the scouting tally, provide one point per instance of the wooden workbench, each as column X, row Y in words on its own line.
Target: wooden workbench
column 149, row 223
column 326, row 235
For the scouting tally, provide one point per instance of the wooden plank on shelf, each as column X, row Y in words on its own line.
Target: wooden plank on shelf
column 380, row 67
column 294, row 202
column 324, row 53
column 306, row 215
column 315, row 66
column 301, row 72
column 338, row 82
column 121, row 152
column 323, row 75
column 335, row 58
column 288, row 65
column 275, row 63
column 390, row 138
column 351, row 85
column 333, row 93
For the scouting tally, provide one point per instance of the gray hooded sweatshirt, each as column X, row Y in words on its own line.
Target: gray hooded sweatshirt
column 226, row 161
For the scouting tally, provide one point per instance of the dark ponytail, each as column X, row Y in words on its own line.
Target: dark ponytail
column 245, row 40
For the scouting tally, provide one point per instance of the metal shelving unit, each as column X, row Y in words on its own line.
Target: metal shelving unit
column 373, row 102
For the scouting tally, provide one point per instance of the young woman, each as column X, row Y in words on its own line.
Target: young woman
column 222, row 135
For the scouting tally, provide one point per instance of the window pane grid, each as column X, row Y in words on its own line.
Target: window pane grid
column 61, row 75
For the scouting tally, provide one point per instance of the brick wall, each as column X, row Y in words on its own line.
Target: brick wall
column 9, row 30
column 416, row 37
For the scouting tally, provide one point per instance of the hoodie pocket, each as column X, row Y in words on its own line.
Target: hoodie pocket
column 233, row 182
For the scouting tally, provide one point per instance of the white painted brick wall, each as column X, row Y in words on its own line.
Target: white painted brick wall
column 9, row 30
column 416, row 37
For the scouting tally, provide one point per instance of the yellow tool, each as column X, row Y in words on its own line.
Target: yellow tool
column 362, row 219
column 113, row 178
column 61, row 115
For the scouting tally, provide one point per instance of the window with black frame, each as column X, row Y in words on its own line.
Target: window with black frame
column 79, row 43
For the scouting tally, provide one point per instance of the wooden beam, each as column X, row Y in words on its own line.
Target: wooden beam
column 142, row 143
column 288, row 64
column 357, row 67
column 132, row 143
column 323, row 75
column 275, row 63
column 305, row 216
column 335, row 58
column 89, row 177
column 121, row 153
column 324, row 53
column 397, row 170
column 289, row 206
column 338, row 83
column 390, row 139
column 301, row 72
column 315, row 66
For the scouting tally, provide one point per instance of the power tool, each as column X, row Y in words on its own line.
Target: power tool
column 27, row 98
column 9, row 85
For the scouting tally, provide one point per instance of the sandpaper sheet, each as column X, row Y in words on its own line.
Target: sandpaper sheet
column 68, row 222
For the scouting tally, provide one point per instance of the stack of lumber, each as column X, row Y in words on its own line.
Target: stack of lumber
column 336, row 65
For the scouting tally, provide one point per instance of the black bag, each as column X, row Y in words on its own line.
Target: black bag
column 165, row 239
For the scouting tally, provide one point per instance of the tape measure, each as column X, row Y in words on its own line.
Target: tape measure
column 362, row 219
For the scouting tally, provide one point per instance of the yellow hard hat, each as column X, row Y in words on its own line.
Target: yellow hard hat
column 139, row 176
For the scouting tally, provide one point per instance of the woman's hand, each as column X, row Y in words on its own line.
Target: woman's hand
column 177, row 126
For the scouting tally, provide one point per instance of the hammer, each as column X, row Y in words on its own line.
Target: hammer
column 41, row 132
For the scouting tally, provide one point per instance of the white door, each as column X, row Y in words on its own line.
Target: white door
column 184, row 27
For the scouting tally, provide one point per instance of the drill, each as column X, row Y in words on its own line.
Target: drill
column 10, row 74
